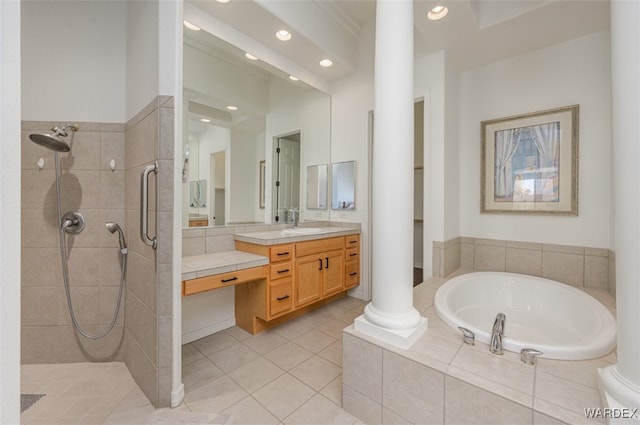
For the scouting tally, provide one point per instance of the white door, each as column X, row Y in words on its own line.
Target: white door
column 287, row 176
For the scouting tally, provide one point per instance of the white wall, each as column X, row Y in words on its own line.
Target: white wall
column 351, row 102
column 244, row 167
column 291, row 109
column 575, row 72
column 10, row 212
column 81, row 48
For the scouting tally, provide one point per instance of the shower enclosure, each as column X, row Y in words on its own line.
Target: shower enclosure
column 100, row 181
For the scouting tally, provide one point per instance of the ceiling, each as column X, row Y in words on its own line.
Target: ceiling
column 475, row 32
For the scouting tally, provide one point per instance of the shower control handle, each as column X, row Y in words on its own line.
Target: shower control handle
column 72, row 222
column 144, row 205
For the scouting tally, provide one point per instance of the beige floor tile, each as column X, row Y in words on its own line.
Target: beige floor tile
column 233, row 357
column 333, row 391
column 215, row 396
column 265, row 342
column 333, row 353
column 199, row 373
column 283, row 396
column 249, row 412
column 316, row 372
column 255, row 374
column 320, row 411
column 238, row 333
column 333, row 328
column 315, row 341
column 215, row 343
column 190, row 354
column 288, row 355
column 292, row 329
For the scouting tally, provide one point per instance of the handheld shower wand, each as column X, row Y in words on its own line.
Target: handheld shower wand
column 114, row 227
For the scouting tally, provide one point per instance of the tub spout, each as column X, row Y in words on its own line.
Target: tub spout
column 495, row 345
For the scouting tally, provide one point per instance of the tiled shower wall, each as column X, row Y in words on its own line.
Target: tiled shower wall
column 577, row 266
column 92, row 188
column 149, row 313
column 142, row 336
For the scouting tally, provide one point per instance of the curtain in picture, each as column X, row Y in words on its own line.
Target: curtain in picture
column 506, row 144
column 547, row 140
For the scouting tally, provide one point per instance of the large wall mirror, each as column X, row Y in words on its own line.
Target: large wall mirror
column 237, row 111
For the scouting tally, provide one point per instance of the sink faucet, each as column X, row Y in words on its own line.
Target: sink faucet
column 294, row 216
column 496, row 336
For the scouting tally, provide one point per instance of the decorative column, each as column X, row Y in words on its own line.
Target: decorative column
column 620, row 383
column 391, row 316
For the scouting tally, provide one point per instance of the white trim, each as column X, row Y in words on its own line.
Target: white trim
column 208, row 330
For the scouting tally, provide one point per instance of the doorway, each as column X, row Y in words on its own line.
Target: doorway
column 286, row 183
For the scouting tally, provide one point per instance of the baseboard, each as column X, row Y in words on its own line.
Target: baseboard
column 177, row 396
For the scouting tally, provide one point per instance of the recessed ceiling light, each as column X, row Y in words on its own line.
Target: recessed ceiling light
column 223, row 1
column 292, row 78
column 191, row 26
column 326, row 63
column 283, row 35
column 250, row 56
column 437, row 12
column 205, row 120
column 232, row 108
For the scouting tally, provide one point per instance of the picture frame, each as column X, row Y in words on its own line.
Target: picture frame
column 529, row 163
column 261, row 171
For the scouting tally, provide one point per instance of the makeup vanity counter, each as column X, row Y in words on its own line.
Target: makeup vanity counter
column 279, row 274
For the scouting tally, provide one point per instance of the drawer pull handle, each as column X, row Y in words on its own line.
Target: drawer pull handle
column 229, row 280
column 320, row 266
column 283, row 253
column 283, row 271
column 353, row 273
column 353, row 241
column 284, row 297
column 326, row 261
column 353, row 254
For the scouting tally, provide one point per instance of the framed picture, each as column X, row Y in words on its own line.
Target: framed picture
column 261, row 171
column 530, row 163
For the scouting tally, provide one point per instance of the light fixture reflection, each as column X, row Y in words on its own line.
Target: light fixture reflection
column 191, row 26
column 326, row 63
column 232, row 108
column 283, row 35
column 250, row 56
column 292, row 78
column 437, row 12
column 205, row 120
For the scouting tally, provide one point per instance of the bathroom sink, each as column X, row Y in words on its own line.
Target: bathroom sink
column 303, row 230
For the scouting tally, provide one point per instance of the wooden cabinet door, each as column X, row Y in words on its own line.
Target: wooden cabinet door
column 332, row 273
column 308, row 279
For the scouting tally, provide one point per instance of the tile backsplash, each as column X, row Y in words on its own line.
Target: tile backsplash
column 578, row 266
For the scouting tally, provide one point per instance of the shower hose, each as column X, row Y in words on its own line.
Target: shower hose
column 65, row 268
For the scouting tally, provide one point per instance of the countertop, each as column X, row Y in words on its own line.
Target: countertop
column 275, row 237
column 196, row 266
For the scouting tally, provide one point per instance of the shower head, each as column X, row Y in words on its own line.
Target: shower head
column 113, row 227
column 54, row 141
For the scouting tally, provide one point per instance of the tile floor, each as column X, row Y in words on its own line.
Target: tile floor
column 291, row 374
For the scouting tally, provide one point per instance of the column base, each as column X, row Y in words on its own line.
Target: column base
column 401, row 338
column 619, row 395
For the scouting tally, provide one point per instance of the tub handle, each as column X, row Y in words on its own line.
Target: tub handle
column 467, row 336
column 528, row 355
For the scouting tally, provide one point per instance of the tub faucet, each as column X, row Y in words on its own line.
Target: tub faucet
column 495, row 345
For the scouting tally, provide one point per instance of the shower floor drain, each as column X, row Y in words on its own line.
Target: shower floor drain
column 28, row 400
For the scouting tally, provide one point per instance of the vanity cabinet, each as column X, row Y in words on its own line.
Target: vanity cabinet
column 319, row 269
column 352, row 261
column 301, row 275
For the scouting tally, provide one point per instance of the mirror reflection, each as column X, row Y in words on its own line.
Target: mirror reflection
column 239, row 113
column 343, row 185
column 317, row 187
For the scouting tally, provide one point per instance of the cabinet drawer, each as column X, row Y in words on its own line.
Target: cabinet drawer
column 351, row 241
column 314, row 247
column 281, row 270
column 216, row 281
column 281, row 298
column 351, row 255
column 351, row 275
column 281, row 253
